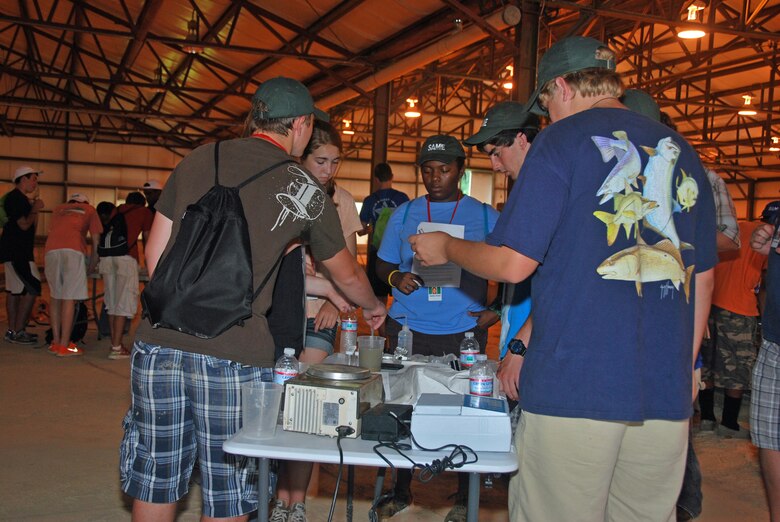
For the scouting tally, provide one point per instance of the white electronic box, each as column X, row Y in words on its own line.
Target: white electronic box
column 481, row 423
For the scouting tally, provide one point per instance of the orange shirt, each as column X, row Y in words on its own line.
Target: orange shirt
column 738, row 274
column 69, row 226
column 139, row 220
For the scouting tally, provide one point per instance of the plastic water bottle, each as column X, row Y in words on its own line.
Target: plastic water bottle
column 481, row 377
column 286, row 367
column 404, row 346
column 349, row 327
column 469, row 348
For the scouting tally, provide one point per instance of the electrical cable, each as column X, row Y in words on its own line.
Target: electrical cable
column 342, row 431
column 458, row 457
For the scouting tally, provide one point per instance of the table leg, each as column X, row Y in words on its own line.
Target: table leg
column 350, row 490
column 473, row 503
column 262, row 491
column 95, row 315
column 380, row 483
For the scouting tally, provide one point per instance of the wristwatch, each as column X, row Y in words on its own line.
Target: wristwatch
column 517, row 347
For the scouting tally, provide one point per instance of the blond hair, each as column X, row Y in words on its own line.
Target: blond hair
column 593, row 81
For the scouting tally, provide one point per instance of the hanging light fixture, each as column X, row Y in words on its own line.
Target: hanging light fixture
column 159, row 84
column 775, row 146
column 747, row 109
column 192, row 45
column 412, row 111
column 695, row 12
column 508, row 80
column 347, row 129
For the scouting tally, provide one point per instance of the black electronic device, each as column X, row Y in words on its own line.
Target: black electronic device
column 387, row 422
column 392, row 366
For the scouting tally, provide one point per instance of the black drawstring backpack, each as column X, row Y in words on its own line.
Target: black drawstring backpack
column 204, row 285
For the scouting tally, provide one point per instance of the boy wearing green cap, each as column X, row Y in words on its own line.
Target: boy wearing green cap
column 186, row 389
column 621, row 291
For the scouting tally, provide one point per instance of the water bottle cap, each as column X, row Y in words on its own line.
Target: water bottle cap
column 289, row 351
column 469, row 335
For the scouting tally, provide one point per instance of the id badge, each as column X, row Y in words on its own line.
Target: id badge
column 434, row 293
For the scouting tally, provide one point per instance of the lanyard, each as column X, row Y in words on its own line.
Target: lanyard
column 269, row 139
column 428, row 202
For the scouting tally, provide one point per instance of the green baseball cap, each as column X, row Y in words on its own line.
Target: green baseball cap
column 286, row 98
column 441, row 148
column 643, row 103
column 503, row 116
column 566, row 56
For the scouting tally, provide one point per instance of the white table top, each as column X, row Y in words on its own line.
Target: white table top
column 287, row 445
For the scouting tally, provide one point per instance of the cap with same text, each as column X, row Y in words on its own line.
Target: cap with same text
column 441, row 148
column 78, row 197
column 770, row 213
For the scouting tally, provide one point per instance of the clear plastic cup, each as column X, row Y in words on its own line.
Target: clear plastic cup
column 260, row 408
column 370, row 350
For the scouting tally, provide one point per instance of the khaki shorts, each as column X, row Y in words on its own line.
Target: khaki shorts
column 66, row 273
column 120, row 285
column 591, row 470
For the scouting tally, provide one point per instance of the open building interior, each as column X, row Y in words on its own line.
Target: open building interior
column 107, row 94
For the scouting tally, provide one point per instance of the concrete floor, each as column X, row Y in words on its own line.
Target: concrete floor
column 61, row 427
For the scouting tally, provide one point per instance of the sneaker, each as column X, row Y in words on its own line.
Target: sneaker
column 683, row 515
column 298, row 512
column 23, row 338
column 458, row 513
column 395, row 504
column 729, row 433
column 122, row 353
column 9, row 336
column 708, row 425
column 54, row 349
column 280, row 512
column 70, row 351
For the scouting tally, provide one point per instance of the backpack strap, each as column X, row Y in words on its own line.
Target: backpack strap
column 485, row 215
column 216, row 163
column 264, row 171
column 267, row 277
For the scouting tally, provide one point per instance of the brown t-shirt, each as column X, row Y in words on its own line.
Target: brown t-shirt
column 283, row 204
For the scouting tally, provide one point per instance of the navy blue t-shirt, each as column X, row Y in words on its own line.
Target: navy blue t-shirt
column 380, row 199
column 770, row 320
column 618, row 211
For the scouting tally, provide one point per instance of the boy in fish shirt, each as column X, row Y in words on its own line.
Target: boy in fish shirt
column 621, row 295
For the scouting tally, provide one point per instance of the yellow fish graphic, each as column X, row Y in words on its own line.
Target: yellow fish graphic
column 629, row 210
column 687, row 191
column 645, row 263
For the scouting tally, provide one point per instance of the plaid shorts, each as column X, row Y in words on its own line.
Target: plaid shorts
column 765, row 398
column 184, row 406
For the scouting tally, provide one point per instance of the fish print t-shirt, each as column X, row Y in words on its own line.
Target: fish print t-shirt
column 617, row 210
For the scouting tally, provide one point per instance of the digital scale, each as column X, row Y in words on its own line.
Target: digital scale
column 328, row 396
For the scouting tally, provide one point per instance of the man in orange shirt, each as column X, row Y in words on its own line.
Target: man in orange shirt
column 66, row 266
column 730, row 353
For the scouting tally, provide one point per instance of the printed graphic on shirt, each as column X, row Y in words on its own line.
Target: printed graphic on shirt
column 652, row 206
column 303, row 199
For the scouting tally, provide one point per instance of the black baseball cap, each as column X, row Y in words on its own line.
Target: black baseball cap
column 441, row 148
column 769, row 215
column 503, row 116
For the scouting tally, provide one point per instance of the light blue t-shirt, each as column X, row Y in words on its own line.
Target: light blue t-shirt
column 449, row 315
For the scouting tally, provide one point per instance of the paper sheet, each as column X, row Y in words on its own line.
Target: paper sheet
column 442, row 275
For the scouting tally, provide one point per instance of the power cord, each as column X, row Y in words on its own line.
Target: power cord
column 459, row 456
column 342, row 431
